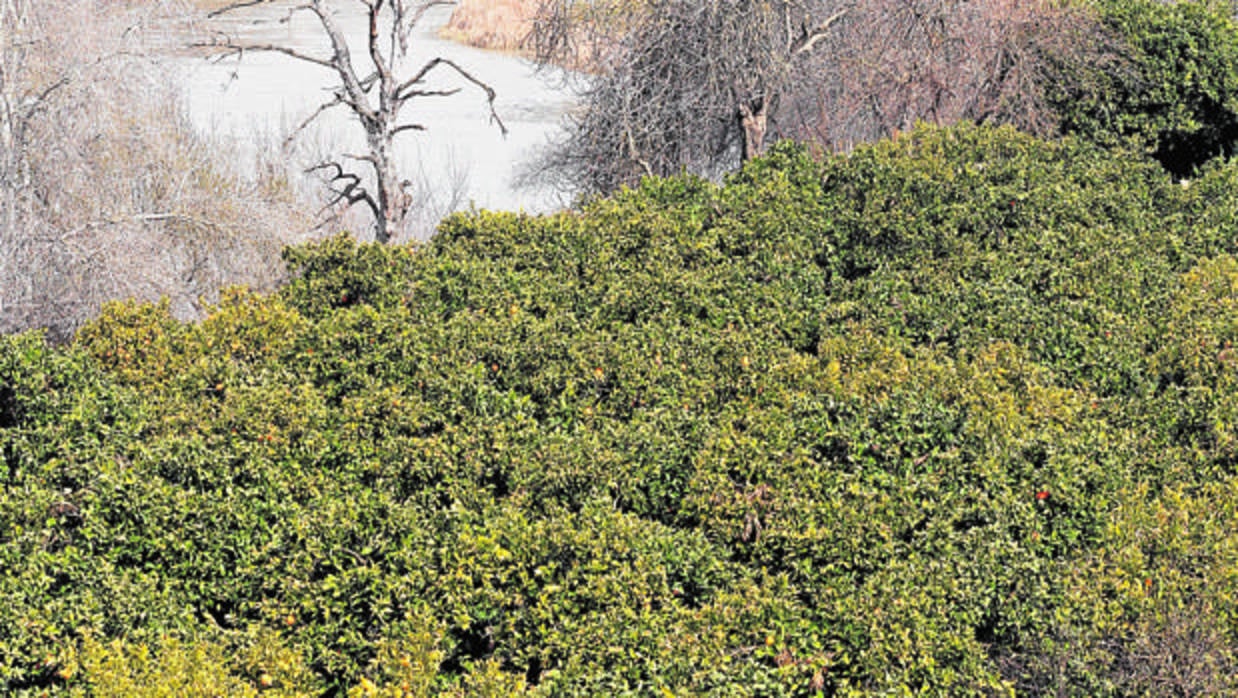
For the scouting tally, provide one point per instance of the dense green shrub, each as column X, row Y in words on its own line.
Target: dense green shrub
column 1173, row 92
column 924, row 418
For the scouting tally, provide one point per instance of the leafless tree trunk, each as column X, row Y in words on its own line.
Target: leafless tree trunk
column 762, row 91
column 376, row 89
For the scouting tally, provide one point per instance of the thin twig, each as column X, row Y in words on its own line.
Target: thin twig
column 236, row 6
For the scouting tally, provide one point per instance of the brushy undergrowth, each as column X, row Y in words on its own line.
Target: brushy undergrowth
column 953, row 414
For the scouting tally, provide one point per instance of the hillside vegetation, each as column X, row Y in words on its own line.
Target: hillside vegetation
column 952, row 414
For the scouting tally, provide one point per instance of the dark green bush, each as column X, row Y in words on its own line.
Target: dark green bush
column 1174, row 91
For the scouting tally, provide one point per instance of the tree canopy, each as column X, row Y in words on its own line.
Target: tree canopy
column 1175, row 92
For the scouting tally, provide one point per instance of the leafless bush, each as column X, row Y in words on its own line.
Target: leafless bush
column 105, row 190
column 679, row 84
column 1177, row 652
column 1173, row 649
column 700, row 85
column 897, row 62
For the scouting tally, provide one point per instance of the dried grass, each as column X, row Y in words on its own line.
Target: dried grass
column 492, row 24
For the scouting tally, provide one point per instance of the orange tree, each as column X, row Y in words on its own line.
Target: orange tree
column 949, row 414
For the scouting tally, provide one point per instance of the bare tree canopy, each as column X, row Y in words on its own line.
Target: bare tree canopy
column 375, row 87
column 898, row 62
column 677, row 84
column 701, row 85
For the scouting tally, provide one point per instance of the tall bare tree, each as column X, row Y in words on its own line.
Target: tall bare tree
column 375, row 88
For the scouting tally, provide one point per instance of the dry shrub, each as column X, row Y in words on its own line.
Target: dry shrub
column 1179, row 652
column 493, row 24
column 896, row 62
column 108, row 192
column 1176, row 649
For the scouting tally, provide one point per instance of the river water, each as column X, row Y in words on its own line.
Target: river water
column 460, row 160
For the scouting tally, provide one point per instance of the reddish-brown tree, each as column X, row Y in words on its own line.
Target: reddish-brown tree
column 897, row 62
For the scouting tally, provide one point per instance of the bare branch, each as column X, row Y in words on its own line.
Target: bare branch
column 324, row 107
column 430, row 93
column 381, row 67
column 404, row 92
column 342, row 63
column 134, row 218
column 425, row 7
column 351, row 192
column 372, row 159
column 236, row 6
column 809, row 39
column 408, row 127
column 231, row 47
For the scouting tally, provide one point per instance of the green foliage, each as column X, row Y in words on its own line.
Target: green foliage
column 1173, row 93
column 120, row 669
column 338, row 273
column 920, row 419
column 1150, row 611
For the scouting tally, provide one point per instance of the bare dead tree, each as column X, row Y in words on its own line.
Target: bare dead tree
column 676, row 84
column 375, row 88
column 671, row 85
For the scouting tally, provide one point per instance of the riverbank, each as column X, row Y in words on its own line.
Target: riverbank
column 499, row 25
